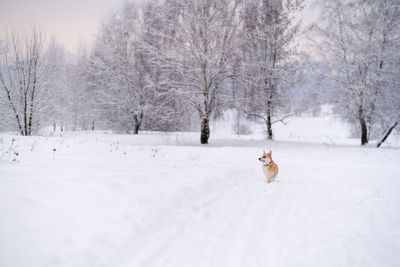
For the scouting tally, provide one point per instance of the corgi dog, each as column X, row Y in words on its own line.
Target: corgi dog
column 269, row 167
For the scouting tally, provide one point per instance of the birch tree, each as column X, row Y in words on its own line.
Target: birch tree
column 114, row 72
column 82, row 97
column 271, row 61
column 200, row 52
column 56, row 96
column 359, row 40
column 386, row 16
column 21, row 74
column 169, row 111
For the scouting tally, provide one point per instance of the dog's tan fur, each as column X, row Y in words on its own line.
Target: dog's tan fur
column 269, row 167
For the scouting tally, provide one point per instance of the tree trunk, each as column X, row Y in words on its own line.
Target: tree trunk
column 388, row 132
column 205, row 130
column 364, row 131
column 12, row 106
column 92, row 125
column 137, row 128
column 138, row 122
column 31, row 108
column 269, row 125
column 25, row 114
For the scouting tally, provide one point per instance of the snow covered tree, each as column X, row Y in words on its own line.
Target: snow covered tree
column 56, row 106
column 360, row 40
column 271, row 62
column 82, row 96
column 199, row 53
column 386, row 16
column 21, row 76
column 113, row 71
column 169, row 111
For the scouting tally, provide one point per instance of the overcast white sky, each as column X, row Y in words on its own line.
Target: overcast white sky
column 71, row 21
column 68, row 20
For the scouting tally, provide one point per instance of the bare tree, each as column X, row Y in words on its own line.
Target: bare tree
column 21, row 74
column 271, row 61
column 386, row 16
column 83, row 99
column 169, row 111
column 358, row 39
column 55, row 103
column 114, row 73
column 200, row 51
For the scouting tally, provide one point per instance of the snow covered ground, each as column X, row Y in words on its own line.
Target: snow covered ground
column 154, row 199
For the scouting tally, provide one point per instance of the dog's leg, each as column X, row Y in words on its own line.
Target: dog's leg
column 271, row 179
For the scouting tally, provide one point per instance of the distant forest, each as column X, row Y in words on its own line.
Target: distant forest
column 175, row 65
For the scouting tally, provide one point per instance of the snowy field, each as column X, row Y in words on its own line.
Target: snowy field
column 102, row 199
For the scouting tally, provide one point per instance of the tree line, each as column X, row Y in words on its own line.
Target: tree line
column 175, row 65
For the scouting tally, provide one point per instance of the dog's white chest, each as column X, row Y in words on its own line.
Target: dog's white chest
column 268, row 174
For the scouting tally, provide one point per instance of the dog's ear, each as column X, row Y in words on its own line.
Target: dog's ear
column 270, row 153
column 264, row 152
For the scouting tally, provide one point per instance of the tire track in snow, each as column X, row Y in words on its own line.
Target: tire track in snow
column 224, row 238
column 155, row 238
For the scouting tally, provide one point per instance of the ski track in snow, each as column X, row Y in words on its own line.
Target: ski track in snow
column 111, row 200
